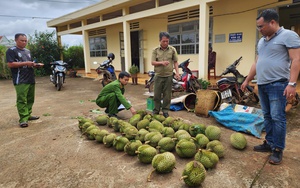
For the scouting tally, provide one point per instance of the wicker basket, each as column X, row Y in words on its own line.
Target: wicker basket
column 207, row 100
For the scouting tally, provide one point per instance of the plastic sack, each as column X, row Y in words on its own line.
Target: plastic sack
column 240, row 121
column 177, row 107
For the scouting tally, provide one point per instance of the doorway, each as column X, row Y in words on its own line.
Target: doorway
column 135, row 52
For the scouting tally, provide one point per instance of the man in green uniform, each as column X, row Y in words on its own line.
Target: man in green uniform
column 164, row 59
column 20, row 62
column 111, row 96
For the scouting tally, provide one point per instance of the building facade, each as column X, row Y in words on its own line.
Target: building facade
column 130, row 28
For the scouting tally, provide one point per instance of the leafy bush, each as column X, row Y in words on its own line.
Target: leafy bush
column 4, row 70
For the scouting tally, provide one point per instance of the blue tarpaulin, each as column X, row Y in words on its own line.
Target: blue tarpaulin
column 240, row 121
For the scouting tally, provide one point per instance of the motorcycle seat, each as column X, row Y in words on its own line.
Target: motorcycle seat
column 227, row 79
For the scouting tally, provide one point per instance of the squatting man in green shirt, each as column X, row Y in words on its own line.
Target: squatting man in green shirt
column 112, row 96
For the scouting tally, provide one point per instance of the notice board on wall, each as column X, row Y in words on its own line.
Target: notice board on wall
column 235, row 37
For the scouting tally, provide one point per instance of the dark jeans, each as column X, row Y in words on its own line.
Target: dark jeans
column 273, row 106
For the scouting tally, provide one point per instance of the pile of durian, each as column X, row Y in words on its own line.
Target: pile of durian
column 154, row 139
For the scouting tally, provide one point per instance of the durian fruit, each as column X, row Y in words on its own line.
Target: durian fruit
column 146, row 153
column 123, row 125
column 186, row 148
column 155, row 126
column 168, row 121
column 100, row 135
column 108, row 140
column 92, row 132
column 176, row 124
column 207, row 158
column 143, row 124
column 217, row 147
column 102, row 119
column 182, row 134
column 135, row 119
column 197, row 128
column 168, row 132
column 116, row 125
column 82, row 121
column 85, row 126
column 184, row 126
column 148, row 116
column 213, row 132
column 120, row 142
column 201, row 140
column 131, row 147
column 159, row 117
column 193, row 174
column 143, row 113
column 152, row 138
column 141, row 135
column 238, row 140
column 163, row 163
column 89, row 129
column 130, row 132
column 110, row 121
column 166, row 144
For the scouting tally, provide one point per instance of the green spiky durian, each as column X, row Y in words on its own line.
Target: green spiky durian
column 92, row 133
column 155, row 126
column 152, row 138
column 168, row 121
column 135, row 119
column 163, row 163
column 141, row 135
column 159, row 117
column 193, row 174
column 166, row 144
column 120, row 142
column 102, row 119
column 143, row 124
column 131, row 147
column 186, row 148
column 108, row 140
column 201, row 140
column 217, row 147
column 146, row 153
column 197, row 128
column 168, row 132
column 100, row 135
column 238, row 140
column 213, row 132
column 82, row 121
column 182, row 134
column 207, row 158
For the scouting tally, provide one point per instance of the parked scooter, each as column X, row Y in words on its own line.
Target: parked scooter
column 59, row 71
column 188, row 81
column 107, row 70
column 230, row 87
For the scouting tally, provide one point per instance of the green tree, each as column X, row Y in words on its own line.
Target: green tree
column 74, row 56
column 44, row 49
column 4, row 70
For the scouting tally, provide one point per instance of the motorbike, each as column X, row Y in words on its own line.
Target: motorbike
column 188, row 82
column 230, row 87
column 107, row 70
column 59, row 71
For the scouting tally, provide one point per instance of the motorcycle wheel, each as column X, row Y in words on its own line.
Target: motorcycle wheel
column 106, row 78
column 151, row 87
column 59, row 83
column 194, row 85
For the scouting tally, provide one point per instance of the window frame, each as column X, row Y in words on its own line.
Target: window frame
column 98, row 46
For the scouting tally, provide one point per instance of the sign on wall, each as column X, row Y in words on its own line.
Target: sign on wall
column 235, row 37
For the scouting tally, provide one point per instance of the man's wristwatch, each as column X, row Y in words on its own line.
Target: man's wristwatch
column 293, row 84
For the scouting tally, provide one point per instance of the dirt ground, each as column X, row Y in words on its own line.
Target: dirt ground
column 52, row 153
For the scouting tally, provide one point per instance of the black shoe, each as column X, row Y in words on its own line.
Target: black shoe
column 106, row 111
column 165, row 114
column 33, row 118
column 155, row 113
column 265, row 147
column 23, row 124
column 276, row 157
column 113, row 115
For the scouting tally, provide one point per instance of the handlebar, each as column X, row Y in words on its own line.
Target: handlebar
column 232, row 66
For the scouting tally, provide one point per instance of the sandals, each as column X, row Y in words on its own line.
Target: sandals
column 23, row 124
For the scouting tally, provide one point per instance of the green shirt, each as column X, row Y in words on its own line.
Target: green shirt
column 169, row 54
column 117, row 88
